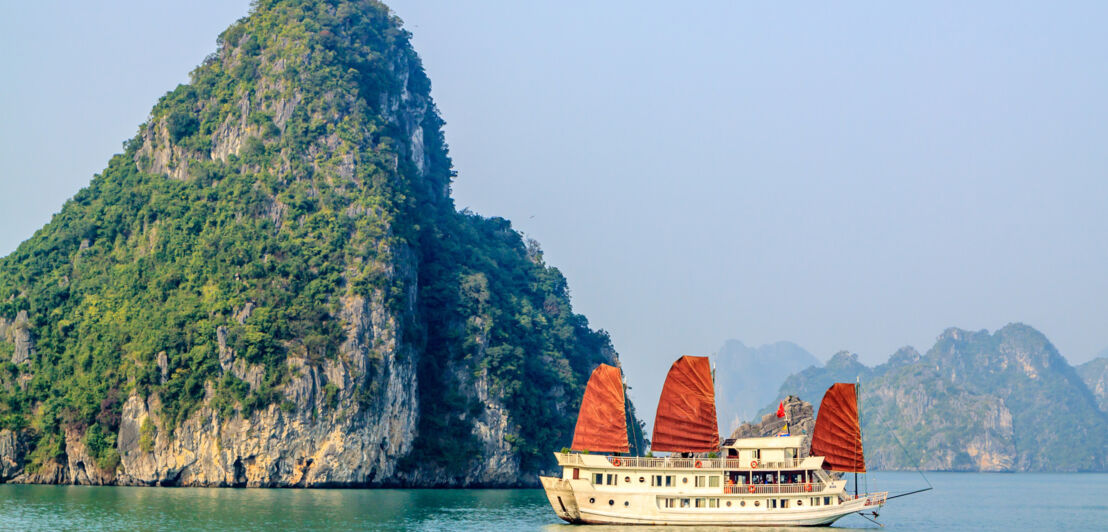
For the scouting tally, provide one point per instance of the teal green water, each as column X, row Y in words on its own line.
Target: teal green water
column 960, row 501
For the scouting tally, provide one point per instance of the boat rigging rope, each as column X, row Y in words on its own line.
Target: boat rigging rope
column 919, row 469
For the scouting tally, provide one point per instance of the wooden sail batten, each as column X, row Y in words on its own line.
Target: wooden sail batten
column 602, row 420
column 686, row 417
column 838, row 433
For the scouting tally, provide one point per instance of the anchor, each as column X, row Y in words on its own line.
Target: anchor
column 872, row 519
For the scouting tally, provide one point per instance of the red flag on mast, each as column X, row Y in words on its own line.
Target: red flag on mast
column 781, row 409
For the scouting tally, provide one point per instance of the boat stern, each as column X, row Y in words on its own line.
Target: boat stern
column 560, row 493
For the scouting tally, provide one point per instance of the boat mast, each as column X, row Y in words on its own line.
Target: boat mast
column 858, row 404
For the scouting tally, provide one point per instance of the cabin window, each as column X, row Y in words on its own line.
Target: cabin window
column 576, row 473
column 713, row 482
column 814, row 501
column 784, row 503
column 790, row 453
column 713, row 503
column 772, row 503
column 756, row 454
column 701, row 503
column 659, row 480
column 701, row 481
column 827, row 501
column 598, row 479
column 668, row 503
column 612, row 479
column 685, row 503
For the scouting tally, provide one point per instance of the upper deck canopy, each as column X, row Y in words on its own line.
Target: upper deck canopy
column 686, row 418
column 602, row 420
column 768, row 442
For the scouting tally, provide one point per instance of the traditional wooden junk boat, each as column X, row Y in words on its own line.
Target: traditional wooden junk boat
column 753, row 481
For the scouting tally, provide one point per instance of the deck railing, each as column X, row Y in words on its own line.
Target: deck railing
column 641, row 462
column 814, row 487
column 876, row 499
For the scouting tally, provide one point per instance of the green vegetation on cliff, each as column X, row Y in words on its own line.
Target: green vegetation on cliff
column 302, row 167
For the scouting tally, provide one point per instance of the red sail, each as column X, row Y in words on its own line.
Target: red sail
column 602, row 421
column 686, row 418
column 838, row 435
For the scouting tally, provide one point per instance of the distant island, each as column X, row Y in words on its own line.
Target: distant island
column 975, row 401
column 748, row 377
column 271, row 286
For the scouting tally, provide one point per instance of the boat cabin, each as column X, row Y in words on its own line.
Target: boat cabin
column 765, row 450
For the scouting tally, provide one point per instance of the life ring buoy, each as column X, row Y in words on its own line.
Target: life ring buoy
column 753, row 464
column 617, row 462
column 808, row 487
column 698, row 465
column 751, row 489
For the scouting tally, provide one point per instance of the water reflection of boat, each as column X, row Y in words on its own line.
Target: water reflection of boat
column 770, row 481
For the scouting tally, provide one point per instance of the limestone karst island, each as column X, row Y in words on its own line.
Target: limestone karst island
column 276, row 284
column 272, row 287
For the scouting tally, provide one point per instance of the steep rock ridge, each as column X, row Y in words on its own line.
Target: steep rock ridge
column 1095, row 375
column 271, row 287
column 975, row 402
column 747, row 377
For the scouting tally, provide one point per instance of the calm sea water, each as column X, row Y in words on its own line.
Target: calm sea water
column 960, row 501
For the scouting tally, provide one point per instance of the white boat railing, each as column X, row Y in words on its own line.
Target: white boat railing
column 572, row 459
column 757, row 489
column 876, row 499
column 642, row 462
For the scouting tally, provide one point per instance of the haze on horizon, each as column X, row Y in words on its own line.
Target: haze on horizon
column 853, row 176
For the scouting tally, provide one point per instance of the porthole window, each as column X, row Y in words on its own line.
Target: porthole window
column 799, row 502
column 742, row 503
column 626, row 503
column 757, row 503
column 611, row 502
column 628, row 480
column 642, row 480
column 592, row 500
column 728, row 504
column 685, row 480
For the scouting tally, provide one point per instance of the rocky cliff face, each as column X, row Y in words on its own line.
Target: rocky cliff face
column 1095, row 375
column 975, row 402
column 271, row 287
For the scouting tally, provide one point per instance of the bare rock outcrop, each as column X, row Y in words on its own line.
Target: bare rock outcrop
column 13, row 452
column 799, row 415
column 18, row 333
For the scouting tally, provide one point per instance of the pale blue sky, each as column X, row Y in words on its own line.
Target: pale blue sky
column 845, row 176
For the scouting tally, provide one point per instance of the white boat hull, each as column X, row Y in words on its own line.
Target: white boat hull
column 575, row 501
